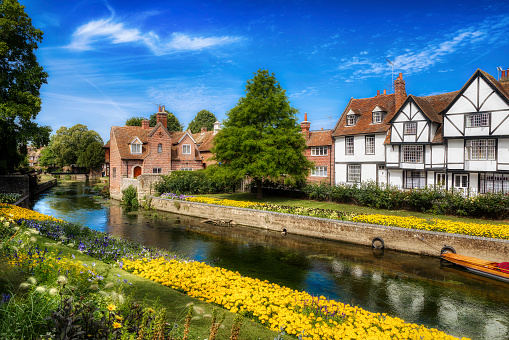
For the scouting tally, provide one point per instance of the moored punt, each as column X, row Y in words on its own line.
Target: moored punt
column 494, row 270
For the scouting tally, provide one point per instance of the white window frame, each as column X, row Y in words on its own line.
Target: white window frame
column 474, row 120
column 186, row 149
column 480, row 149
column 159, row 148
column 157, row 170
column 370, row 144
column 353, row 173
column 415, row 179
column 377, row 117
column 186, row 169
column 460, row 181
column 412, row 154
column 319, row 151
column 351, row 119
column 349, row 145
column 319, row 171
column 410, row 128
column 136, row 148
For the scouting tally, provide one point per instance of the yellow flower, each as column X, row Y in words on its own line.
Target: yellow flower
column 117, row 325
column 111, row 307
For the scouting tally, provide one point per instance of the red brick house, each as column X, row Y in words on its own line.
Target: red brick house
column 135, row 150
column 320, row 151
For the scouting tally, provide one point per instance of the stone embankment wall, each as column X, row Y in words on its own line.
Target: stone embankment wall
column 44, row 186
column 401, row 239
column 144, row 184
column 18, row 184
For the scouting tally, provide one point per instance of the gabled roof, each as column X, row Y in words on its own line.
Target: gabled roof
column 163, row 129
column 430, row 106
column 501, row 89
column 364, row 108
column 124, row 135
column 319, row 138
column 204, row 140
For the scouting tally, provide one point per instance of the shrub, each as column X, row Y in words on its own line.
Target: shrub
column 193, row 182
column 130, row 197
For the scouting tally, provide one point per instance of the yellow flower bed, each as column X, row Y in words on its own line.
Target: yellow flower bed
column 225, row 202
column 15, row 212
column 500, row 231
column 276, row 306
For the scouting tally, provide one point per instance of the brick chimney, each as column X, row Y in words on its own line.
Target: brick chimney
column 399, row 91
column 305, row 125
column 145, row 124
column 505, row 78
column 162, row 117
column 203, row 129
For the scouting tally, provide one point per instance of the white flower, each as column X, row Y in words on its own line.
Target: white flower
column 53, row 291
column 40, row 289
column 24, row 285
column 62, row 280
column 32, row 280
column 33, row 239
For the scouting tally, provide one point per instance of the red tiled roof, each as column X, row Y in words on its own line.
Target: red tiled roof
column 503, row 88
column 364, row 108
column 431, row 106
column 319, row 138
column 124, row 136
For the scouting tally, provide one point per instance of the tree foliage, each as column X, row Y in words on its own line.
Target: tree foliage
column 21, row 78
column 134, row 121
column 173, row 122
column 261, row 138
column 203, row 118
column 71, row 146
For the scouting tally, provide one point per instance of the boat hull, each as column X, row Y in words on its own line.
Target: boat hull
column 477, row 266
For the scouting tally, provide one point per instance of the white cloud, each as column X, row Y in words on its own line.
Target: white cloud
column 415, row 59
column 88, row 35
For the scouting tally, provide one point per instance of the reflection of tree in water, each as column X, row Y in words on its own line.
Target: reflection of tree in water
column 71, row 196
column 281, row 266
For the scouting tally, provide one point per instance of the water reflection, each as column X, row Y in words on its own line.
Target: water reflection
column 414, row 288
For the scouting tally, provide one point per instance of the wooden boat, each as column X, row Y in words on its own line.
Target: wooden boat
column 494, row 270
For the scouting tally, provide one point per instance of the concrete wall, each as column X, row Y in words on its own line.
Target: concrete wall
column 401, row 239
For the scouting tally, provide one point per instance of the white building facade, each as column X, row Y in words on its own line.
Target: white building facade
column 454, row 140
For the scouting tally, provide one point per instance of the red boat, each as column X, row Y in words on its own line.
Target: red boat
column 494, row 270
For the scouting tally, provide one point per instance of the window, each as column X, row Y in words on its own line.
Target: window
column 349, row 145
column 319, row 171
column 353, row 173
column 319, row 151
column 186, row 149
column 377, row 117
column 441, row 179
column 415, row 179
column 480, row 149
column 114, row 172
column 136, row 148
column 477, row 120
column 496, row 183
column 351, row 119
column 412, row 154
column 157, row 170
column 461, row 181
column 186, row 169
column 159, row 148
column 370, row 145
column 410, row 128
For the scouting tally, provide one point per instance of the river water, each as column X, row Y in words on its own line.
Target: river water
column 412, row 287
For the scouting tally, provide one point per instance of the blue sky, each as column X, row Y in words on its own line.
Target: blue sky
column 112, row 60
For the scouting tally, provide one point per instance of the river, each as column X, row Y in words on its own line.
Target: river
column 412, row 287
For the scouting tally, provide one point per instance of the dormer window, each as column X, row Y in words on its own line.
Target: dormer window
column 377, row 117
column 136, row 146
column 477, row 120
column 186, row 149
column 351, row 119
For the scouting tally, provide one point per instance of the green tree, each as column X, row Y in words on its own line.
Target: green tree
column 203, row 118
column 261, row 138
column 21, row 78
column 173, row 123
column 47, row 158
column 92, row 156
column 70, row 145
column 134, row 121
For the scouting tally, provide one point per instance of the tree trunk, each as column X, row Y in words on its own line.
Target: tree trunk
column 258, row 188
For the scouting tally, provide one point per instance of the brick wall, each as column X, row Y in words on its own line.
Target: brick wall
column 115, row 167
column 192, row 160
column 157, row 159
column 327, row 161
column 18, row 184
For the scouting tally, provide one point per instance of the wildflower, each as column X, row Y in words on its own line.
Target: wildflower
column 117, row 325
column 24, row 285
column 109, row 285
column 62, row 280
column 53, row 291
column 32, row 280
column 40, row 289
column 111, row 307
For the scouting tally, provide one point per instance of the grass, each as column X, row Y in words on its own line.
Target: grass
column 347, row 207
column 155, row 295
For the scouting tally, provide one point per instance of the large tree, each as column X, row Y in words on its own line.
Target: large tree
column 173, row 123
column 203, row 118
column 261, row 138
column 21, row 78
column 70, row 146
column 134, row 121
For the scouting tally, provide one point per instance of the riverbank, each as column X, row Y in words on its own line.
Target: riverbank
column 401, row 239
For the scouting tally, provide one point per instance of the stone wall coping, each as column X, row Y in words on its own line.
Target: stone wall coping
column 428, row 232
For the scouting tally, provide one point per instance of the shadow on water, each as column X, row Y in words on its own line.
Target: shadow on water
column 415, row 288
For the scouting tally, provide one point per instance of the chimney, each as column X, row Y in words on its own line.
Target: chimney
column 377, row 93
column 505, row 78
column 305, row 125
column 203, row 129
column 217, row 127
column 162, row 117
column 385, row 92
column 399, row 91
column 144, row 124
